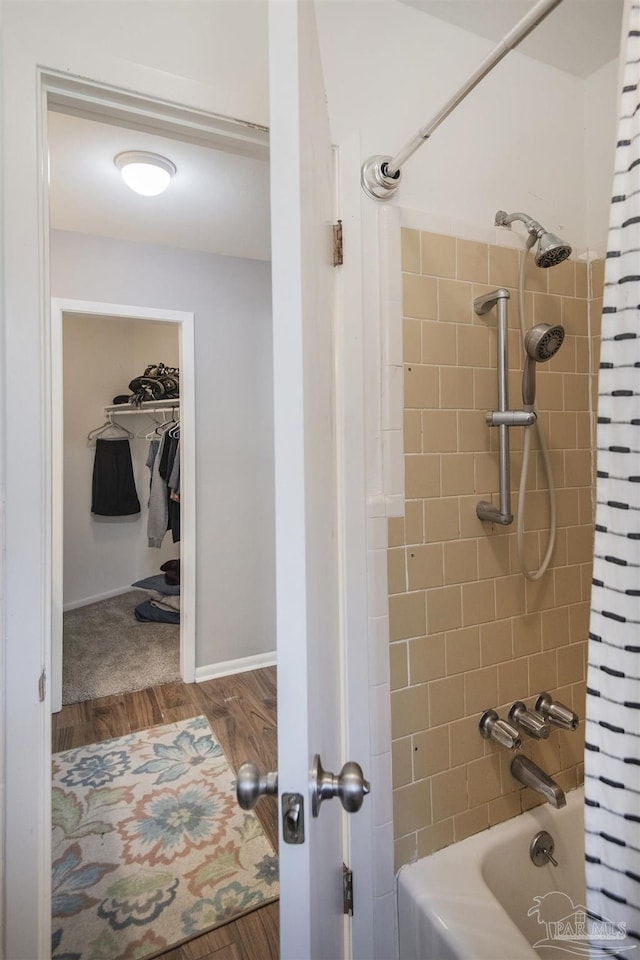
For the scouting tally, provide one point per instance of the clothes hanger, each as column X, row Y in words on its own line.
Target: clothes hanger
column 156, row 433
column 174, row 424
column 109, row 424
column 160, row 428
column 151, row 434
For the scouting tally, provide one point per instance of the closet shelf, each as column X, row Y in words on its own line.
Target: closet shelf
column 149, row 406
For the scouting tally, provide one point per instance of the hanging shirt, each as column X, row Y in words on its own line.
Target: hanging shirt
column 158, row 518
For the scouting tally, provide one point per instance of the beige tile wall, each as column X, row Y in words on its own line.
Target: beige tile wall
column 467, row 631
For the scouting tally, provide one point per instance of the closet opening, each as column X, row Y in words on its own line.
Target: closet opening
column 124, row 491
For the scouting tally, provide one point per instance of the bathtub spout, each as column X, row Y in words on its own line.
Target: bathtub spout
column 528, row 773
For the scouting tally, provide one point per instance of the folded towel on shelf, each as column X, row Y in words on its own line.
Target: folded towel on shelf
column 157, row 583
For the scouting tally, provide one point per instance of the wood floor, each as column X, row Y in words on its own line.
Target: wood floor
column 242, row 712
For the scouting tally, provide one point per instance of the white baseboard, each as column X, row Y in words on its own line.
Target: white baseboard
column 213, row 670
column 76, row 604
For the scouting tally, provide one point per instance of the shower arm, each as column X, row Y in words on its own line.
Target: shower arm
column 534, row 229
column 381, row 174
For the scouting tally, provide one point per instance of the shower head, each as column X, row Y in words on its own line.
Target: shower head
column 541, row 343
column 551, row 249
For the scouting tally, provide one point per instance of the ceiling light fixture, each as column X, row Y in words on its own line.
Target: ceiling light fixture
column 146, row 173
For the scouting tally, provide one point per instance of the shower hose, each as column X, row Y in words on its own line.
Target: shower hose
column 533, row 574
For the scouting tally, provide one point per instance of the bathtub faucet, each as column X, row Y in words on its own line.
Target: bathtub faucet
column 531, row 721
column 530, row 774
column 493, row 728
column 556, row 712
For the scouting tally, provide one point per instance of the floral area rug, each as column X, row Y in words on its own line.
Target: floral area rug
column 150, row 847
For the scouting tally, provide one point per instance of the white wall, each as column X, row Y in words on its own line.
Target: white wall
column 101, row 356
column 516, row 143
column 221, row 45
column 600, row 129
column 231, row 300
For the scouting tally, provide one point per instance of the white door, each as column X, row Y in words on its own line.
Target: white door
column 307, row 568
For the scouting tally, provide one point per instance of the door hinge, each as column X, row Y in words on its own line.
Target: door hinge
column 347, row 890
column 337, row 244
column 42, row 685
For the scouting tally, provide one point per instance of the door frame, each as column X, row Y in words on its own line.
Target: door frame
column 28, row 722
column 25, row 816
column 55, row 508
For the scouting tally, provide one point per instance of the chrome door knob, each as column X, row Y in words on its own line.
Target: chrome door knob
column 251, row 785
column 350, row 785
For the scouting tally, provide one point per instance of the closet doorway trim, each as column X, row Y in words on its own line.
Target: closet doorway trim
column 185, row 321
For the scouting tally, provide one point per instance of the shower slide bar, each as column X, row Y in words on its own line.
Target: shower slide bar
column 381, row 174
column 502, row 418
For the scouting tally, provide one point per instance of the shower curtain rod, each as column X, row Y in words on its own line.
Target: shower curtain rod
column 381, row 174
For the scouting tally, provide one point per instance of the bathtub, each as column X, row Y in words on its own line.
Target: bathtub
column 471, row 901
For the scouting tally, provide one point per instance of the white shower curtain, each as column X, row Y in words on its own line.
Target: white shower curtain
column 612, row 755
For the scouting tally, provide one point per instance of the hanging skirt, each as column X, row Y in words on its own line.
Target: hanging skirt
column 113, row 492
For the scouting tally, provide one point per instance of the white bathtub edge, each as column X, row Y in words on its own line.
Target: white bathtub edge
column 447, row 912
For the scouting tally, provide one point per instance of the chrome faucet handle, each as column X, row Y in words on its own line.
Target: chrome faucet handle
column 556, row 712
column 534, row 723
column 493, row 728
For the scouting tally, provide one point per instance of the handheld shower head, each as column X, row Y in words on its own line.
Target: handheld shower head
column 551, row 249
column 541, row 343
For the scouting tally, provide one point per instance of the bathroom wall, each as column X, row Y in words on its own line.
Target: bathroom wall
column 104, row 555
column 600, row 125
column 467, row 632
column 231, row 300
column 518, row 141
